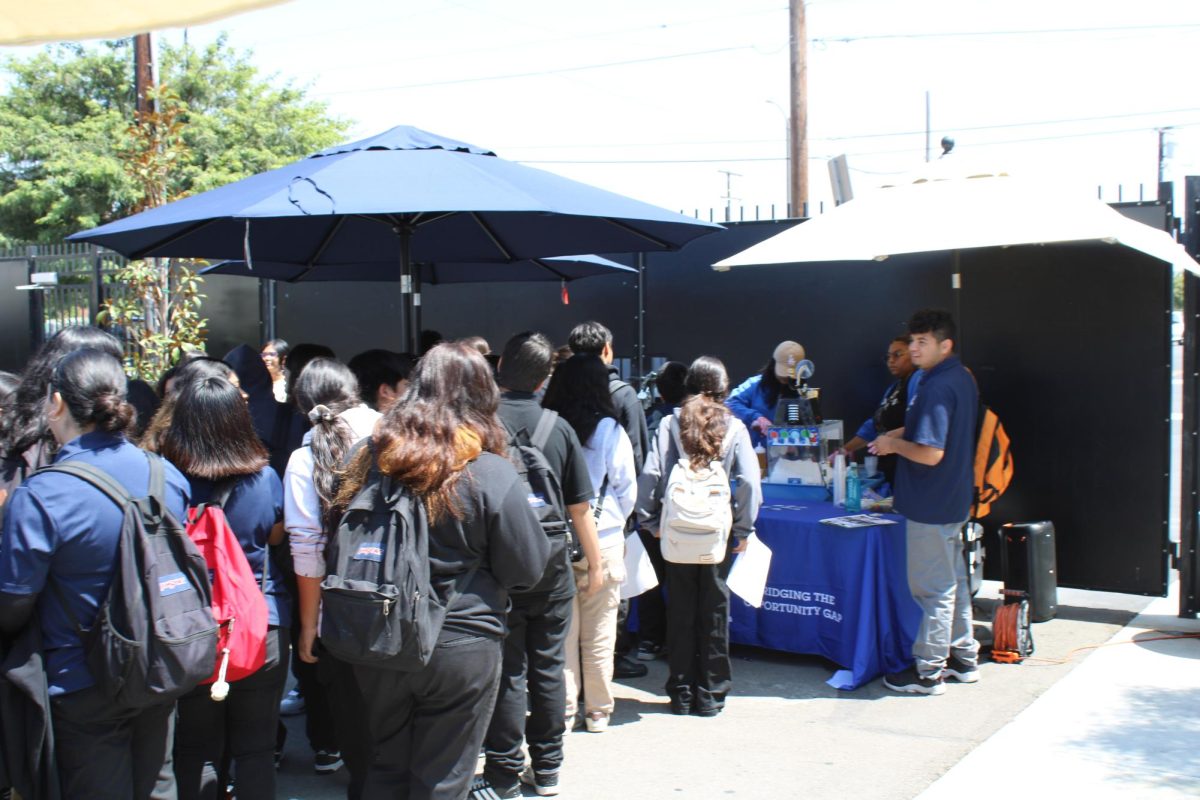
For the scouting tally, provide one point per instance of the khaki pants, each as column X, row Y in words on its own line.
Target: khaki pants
column 593, row 634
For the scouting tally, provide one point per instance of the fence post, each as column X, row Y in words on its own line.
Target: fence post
column 96, row 296
column 37, row 311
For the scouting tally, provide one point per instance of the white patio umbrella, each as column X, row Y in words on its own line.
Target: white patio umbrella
column 955, row 213
column 44, row 21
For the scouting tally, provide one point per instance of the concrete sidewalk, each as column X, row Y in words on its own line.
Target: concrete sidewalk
column 1125, row 723
column 1127, row 712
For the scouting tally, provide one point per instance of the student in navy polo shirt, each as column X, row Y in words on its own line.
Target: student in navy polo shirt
column 211, row 438
column 59, row 529
column 934, row 486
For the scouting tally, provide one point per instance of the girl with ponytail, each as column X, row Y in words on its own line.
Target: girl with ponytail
column 326, row 392
column 699, row 673
column 57, row 559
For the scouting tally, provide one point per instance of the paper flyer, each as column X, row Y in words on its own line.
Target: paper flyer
column 748, row 577
column 639, row 571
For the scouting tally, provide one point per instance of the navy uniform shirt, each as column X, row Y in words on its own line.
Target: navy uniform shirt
column 941, row 413
column 253, row 508
column 60, row 528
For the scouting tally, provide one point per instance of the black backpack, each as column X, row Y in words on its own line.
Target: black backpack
column 155, row 637
column 378, row 605
column 544, row 491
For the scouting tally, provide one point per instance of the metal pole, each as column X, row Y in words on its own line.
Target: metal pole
column 410, row 336
column 1188, row 561
column 640, row 365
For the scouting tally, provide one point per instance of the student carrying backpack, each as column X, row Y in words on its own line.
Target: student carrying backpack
column 697, row 512
column 115, row 560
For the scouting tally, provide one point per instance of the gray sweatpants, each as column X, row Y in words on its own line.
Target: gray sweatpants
column 937, row 578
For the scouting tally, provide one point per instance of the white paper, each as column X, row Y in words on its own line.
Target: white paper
column 639, row 571
column 748, row 577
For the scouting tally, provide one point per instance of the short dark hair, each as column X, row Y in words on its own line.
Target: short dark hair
column 525, row 362
column 707, row 376
column 298, row 358
column 903, row 339
column 670, row 382
column 211, row 435
column 589, row 337
column 375, row 368
column 935, row 321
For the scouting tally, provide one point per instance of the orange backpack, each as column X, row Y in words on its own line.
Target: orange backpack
column 993, row 462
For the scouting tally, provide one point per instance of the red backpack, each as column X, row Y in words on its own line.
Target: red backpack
column 239, row 603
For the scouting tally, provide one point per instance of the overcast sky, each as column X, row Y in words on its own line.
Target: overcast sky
column 654, row 98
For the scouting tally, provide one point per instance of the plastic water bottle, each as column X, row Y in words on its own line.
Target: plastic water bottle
column 853, row 490
column 839, row 479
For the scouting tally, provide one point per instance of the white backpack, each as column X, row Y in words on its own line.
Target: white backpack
column 697, row 509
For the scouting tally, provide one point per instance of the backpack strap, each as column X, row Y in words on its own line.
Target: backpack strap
column 99, row 478
column 545, row 425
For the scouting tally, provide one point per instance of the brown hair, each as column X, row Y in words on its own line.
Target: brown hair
column 704, row 419
column 210, row 434
column 446, row 418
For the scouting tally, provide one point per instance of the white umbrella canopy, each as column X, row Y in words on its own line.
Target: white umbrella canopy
column 43, row 21
column 958, row 212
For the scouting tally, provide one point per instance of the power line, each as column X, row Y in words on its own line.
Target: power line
column 981, row 34
column 538, row 73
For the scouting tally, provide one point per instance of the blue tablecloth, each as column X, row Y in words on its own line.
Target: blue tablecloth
column 835, row 592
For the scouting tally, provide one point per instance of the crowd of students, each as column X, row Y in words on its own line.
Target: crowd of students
column 527, row 649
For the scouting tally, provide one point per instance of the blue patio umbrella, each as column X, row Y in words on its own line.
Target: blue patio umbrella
column 554, row 268
column 405, row 197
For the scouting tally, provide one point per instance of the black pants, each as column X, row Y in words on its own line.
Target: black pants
column 244, row 723
column 318, row 715
column 108, row 752
column 698, row 664
column 427, row 726
column 531, row 679
column 652, row 605
column 339, row 686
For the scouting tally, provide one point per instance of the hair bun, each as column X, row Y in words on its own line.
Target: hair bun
column 320, row 413
column 112, row 413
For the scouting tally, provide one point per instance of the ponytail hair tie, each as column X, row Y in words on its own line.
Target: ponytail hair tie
column 320, row 413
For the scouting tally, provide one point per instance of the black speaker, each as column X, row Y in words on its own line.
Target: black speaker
column 1028, row 563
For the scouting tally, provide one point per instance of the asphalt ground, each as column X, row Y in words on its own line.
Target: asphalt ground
column 785, row 733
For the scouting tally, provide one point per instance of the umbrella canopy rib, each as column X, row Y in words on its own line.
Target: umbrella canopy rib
column 186, row 231
column 652, row 239
column 491, row 234
column 325, row 240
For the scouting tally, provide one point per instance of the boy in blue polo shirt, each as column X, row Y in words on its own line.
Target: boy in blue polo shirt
column 934, row 487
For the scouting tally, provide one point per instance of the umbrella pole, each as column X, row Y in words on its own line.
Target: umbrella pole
column 956, row 286
column 408, row 337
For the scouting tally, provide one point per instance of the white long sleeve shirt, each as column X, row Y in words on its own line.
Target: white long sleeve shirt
column 302, row 504
column 609, row 452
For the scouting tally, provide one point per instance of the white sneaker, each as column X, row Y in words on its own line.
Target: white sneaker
column 544, row 783
column 597, row 722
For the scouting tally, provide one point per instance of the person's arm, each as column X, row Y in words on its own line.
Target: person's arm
column 632, row 419
column 622, row 473
column 857, row 443
column 747, row 486
column 517, row 547
column 308, row 600
column 25, row 552
column 650, row 481
column 585, row 528
column 741, row 402
column 917, row 453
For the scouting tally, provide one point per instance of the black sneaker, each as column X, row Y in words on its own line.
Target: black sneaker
column 628, row 668
column 910, row 681
column 491, row 787
column 544, row 783
column 327, row 762
column 649, row 651
column 961, row 671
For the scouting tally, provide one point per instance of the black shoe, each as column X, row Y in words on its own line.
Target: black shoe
column 490, row 787
column 326, row 762
column 649, row 651
column 909, row 681
column 544, row 783
column 681, row 704
column 961, row 671
column 628, row 668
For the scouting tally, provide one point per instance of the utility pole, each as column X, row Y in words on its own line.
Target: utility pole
column 798, row 129
column 143, row 71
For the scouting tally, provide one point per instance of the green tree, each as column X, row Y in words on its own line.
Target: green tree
column 65, row 131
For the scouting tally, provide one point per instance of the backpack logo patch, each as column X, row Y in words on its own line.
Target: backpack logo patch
column 369, row 551
column 171, row 584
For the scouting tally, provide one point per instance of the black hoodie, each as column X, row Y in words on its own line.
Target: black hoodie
column 271, row 418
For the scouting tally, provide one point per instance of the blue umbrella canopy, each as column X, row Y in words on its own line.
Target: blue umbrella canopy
column 445, row 200
column 554, row 268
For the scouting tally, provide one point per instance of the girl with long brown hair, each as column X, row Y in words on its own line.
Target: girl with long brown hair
column 699, row 674
column 444, row 443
